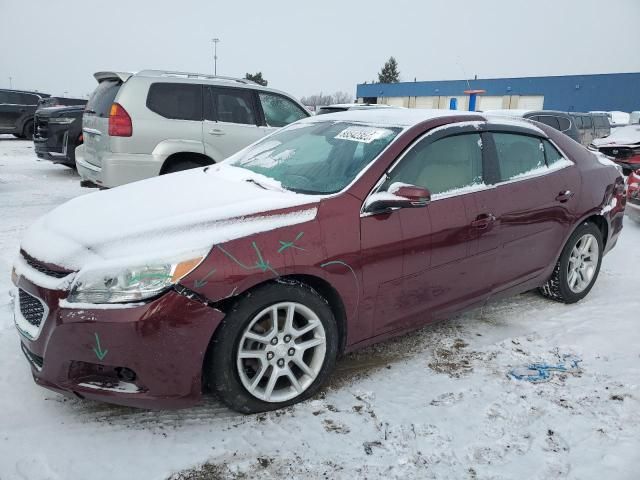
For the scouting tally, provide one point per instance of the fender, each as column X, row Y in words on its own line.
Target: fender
column 170, row 146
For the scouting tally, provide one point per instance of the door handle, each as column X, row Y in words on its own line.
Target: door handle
column 564, row 196
column 216, row 131
column 483, row 220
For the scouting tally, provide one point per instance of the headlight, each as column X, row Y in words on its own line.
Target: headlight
column 62, row 120
column 128, row 284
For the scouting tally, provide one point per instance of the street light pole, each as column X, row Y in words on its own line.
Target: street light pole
column 215, row 55
column 10, row 83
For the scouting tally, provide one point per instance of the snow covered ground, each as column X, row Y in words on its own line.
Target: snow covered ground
column 433, row 404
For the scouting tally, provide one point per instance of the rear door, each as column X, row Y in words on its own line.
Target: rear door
column 95, row 121
column 537, row 188
column 11, row 109
column 231, row 121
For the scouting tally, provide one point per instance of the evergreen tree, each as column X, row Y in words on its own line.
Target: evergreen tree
column 389, row 73
column 256, row 77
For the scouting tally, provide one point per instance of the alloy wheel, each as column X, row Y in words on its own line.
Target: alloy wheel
column 281, row 352
column 583, row 263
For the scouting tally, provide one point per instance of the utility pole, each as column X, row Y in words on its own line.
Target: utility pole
column 215, row 55
column 10, row 83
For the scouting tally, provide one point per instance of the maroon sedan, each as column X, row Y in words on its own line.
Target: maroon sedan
column 251, row 276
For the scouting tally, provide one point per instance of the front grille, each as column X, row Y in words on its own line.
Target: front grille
column 31, row 308
column 619, row 153
column 41, row 129
column 42, row 268
column 36, row 360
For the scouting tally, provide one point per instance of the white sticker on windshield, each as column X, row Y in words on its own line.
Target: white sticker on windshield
column 363, row 134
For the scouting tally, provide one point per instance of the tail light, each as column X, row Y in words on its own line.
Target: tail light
column 119, row 121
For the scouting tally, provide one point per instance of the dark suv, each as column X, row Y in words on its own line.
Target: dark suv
column 58, row 131
column 16, row 111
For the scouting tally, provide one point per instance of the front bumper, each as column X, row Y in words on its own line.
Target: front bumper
column 55, row 154
column 92, row 352
column 118, row 169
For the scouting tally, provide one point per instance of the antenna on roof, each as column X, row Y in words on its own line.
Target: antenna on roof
column 464, row 74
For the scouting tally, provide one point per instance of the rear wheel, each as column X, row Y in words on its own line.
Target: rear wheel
column 184, row 164
column 18, row 135
column 578, row 266
column 274, row 348
column 27, row 131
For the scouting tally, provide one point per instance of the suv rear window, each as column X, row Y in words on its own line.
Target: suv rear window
column 178, row 101
column 102, row 97
column 550, row 120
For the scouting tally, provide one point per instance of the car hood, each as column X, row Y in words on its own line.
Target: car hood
column 164, row 216
column 60, row 111
column 621, row 136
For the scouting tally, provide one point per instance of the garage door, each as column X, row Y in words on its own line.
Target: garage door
column 489, row 103
column 530, row 102
column 426, row 102
column 396, row 101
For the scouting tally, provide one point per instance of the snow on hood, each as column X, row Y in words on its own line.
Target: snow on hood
column 620, row 136
column 167, row 215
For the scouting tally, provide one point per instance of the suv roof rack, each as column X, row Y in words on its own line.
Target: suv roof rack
column 169, row 73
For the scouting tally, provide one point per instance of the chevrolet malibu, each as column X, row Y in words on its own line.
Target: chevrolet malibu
column 249, row 277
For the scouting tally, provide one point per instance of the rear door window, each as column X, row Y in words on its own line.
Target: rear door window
column 29, row 99
column 233, row 105
column 518, row 155
column 565, row 124
column 102, row 97
column 280, row 111
column 550, row 120
column 178, row 101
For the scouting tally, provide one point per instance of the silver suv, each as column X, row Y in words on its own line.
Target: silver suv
column 154, row 122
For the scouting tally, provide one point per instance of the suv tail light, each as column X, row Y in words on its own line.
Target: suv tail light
column 119, row 121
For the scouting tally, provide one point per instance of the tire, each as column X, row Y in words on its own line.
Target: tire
column 181, row 165
column 565, row 287
column 230, row 376
column 27, row 131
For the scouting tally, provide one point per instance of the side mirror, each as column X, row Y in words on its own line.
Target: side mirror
column 398, row 196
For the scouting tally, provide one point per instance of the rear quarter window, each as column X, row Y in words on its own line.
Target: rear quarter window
column 550, row 120
column 565, row 124
column 518, row 155
column 102, row 97
column 178, row 101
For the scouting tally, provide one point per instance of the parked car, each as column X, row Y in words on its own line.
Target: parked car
column 57, row 133
column 616, row 118
column 250, row 276
column 60, row 102
column 591, row 126
column 154, row 122
column 633, row 195
column 343, row 107
column 561, row 121
column 16, row 111
column 622, row 146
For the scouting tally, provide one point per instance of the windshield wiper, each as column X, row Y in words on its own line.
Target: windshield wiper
column 256, row 183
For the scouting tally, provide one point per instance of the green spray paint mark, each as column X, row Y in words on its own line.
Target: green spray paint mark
column 261, row 264
column 203, row 281
column 97, row 349
column 291, row 244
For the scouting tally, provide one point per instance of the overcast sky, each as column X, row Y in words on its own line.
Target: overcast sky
column 305, row 47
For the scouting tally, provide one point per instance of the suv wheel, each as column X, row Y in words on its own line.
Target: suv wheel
column 181, row 165
column 578, row 266
column 27, row 131
column 274, row 348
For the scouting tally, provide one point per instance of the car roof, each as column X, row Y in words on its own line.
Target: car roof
column 43, row 95
column 187, row 77
column 357, row 105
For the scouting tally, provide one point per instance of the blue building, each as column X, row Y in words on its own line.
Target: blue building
column 580, row 93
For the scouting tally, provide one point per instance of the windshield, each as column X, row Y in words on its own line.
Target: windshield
column 316, row 157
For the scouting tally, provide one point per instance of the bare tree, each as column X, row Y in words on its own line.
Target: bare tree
column 342, row 97
column 320, row 100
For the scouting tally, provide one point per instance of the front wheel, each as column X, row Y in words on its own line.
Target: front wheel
column 578, row 266
column 275, row 348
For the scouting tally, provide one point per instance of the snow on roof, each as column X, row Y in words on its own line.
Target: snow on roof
column 508, row 113
column 628, row 135
column 399, row 117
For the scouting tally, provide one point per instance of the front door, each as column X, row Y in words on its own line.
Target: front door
column 439, row 272
column 231, row 121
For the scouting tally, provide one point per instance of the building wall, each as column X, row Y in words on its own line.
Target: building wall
column 581, row 93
